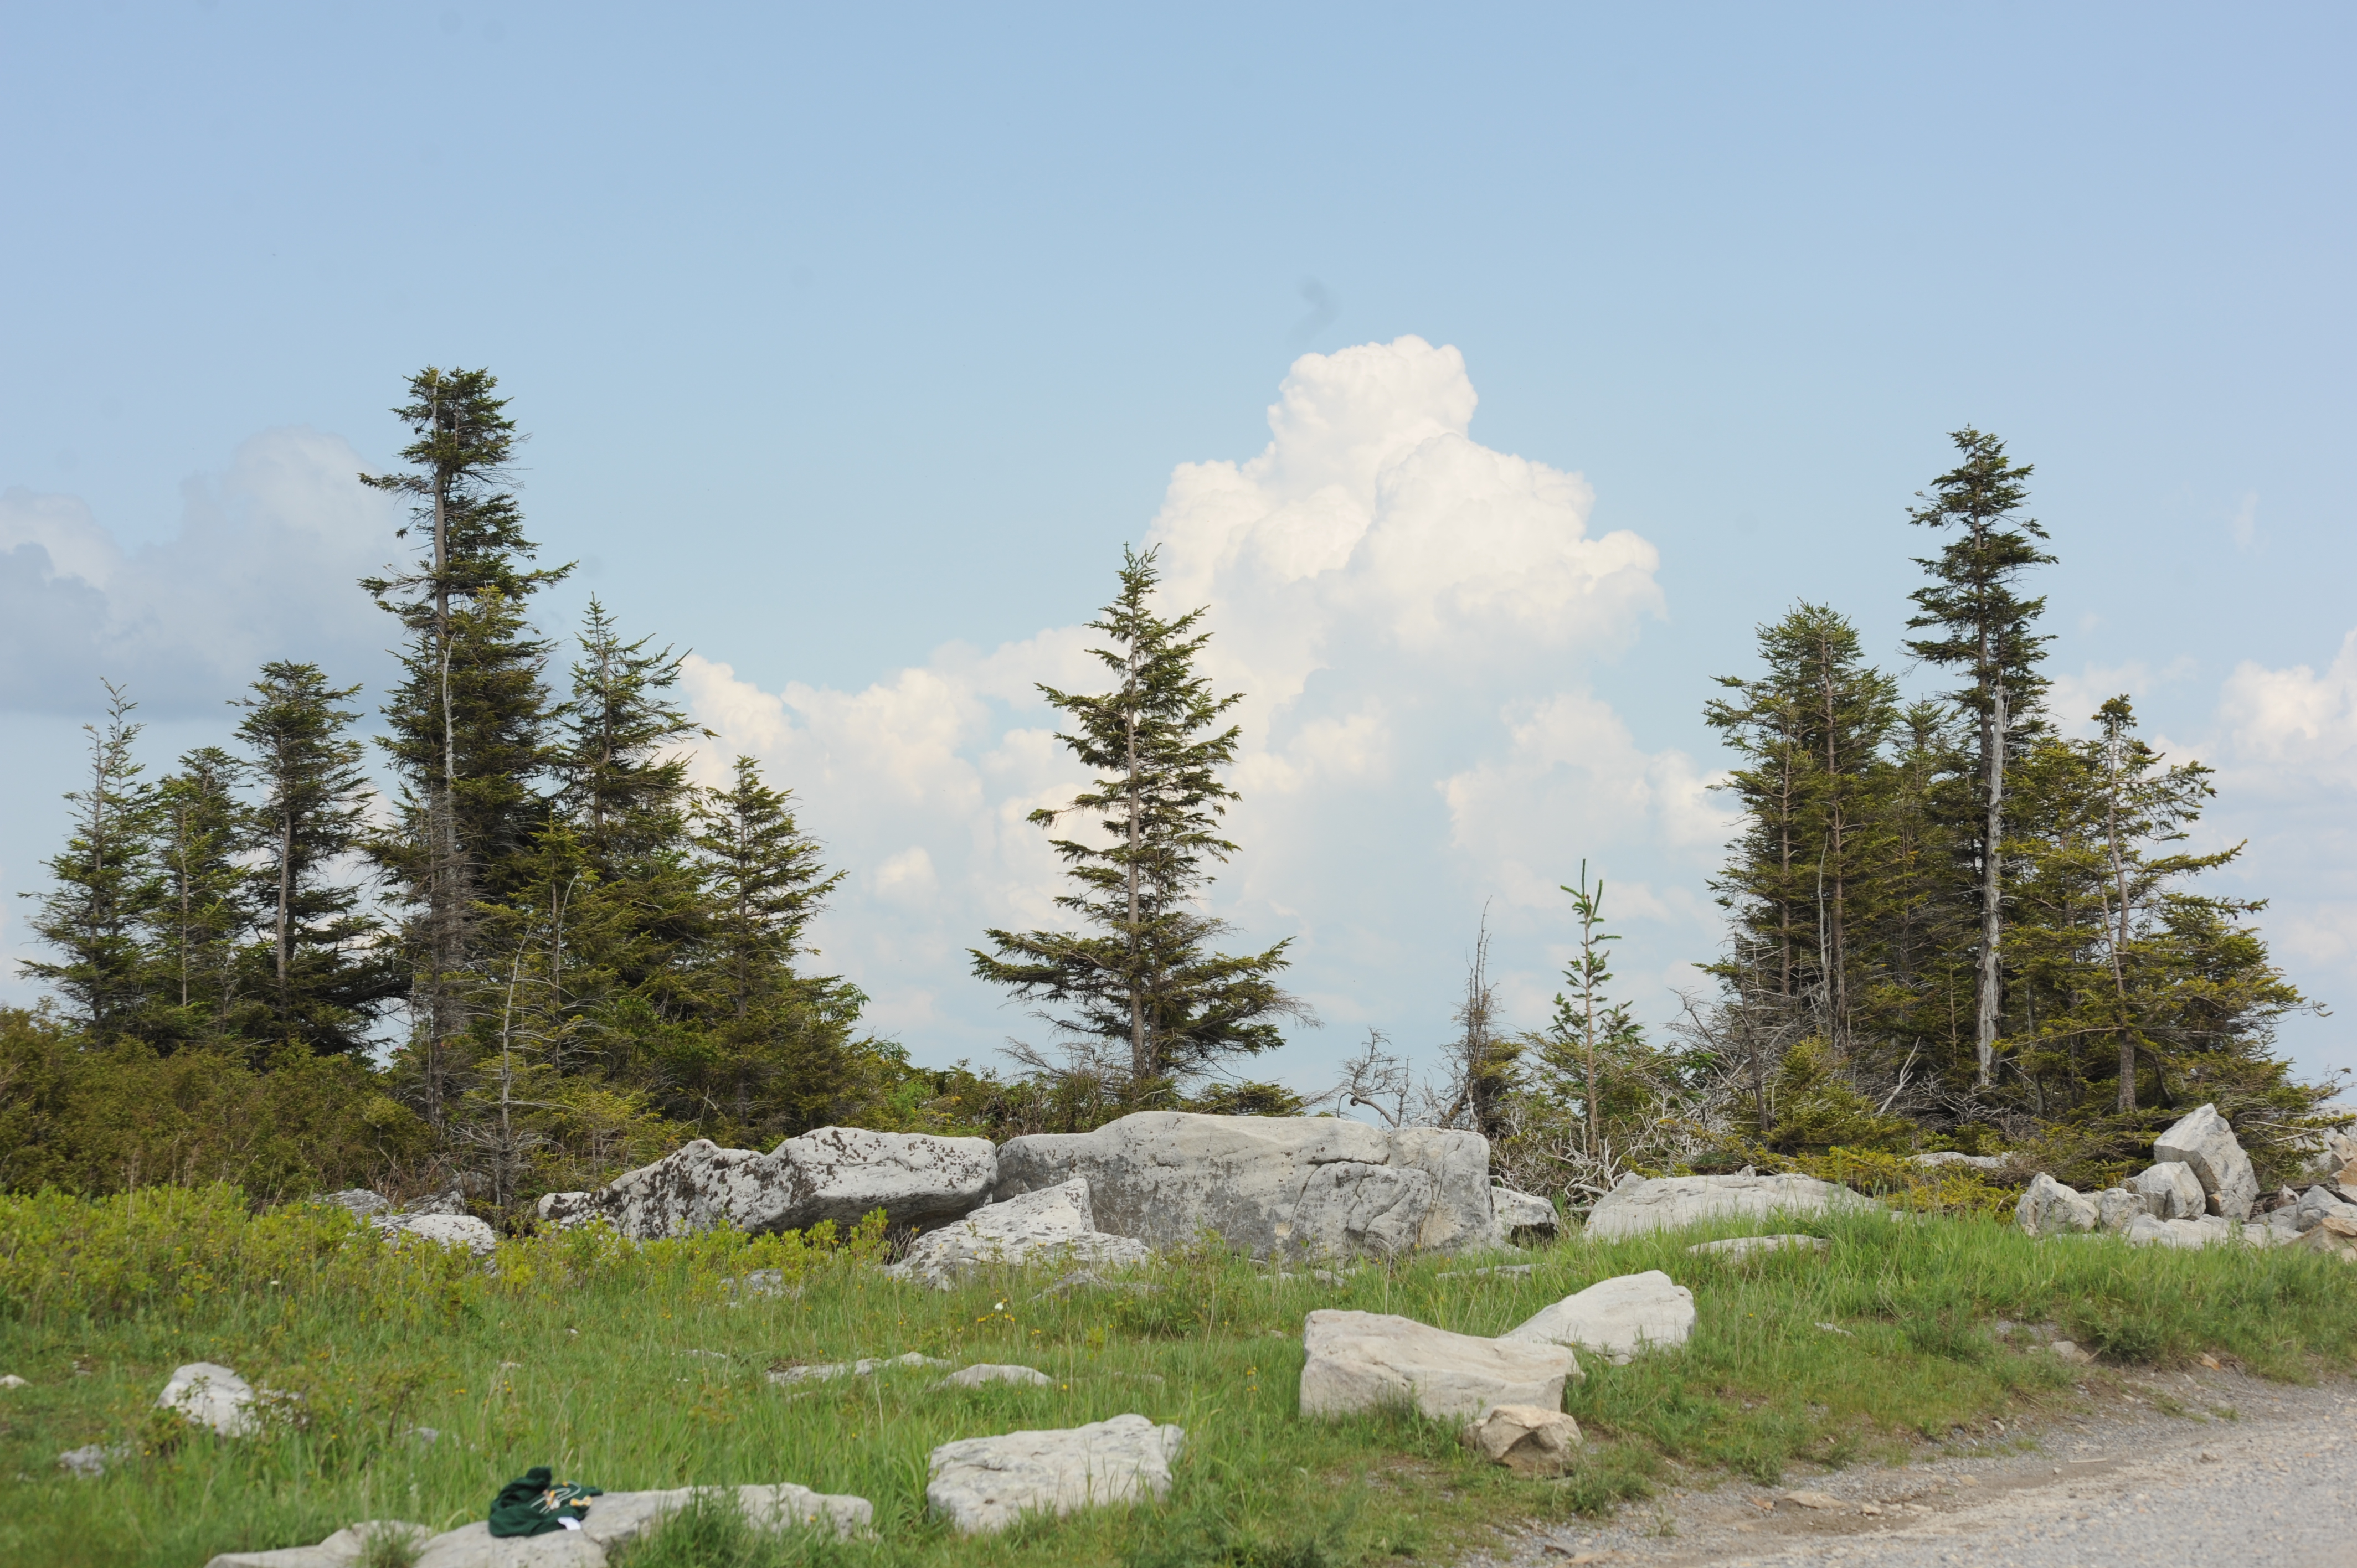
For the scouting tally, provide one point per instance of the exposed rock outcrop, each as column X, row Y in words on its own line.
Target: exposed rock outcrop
column 1365, row 1361
column 2202, row 1140
column 1672, row 1203
column 985, row 1484
column 1054, row 1224
column 2171, row 1191
column 2047, row 1208
column 837, row 1172
column 1307, row 1187
column 1619, row 1318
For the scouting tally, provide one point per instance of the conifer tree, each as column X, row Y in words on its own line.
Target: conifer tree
column 105, row 885
column 1982, row 627
column 623, row 785
column 1147, row 985
column 327, row 981
column 195, row 926
column 777, row 1050
column 469, row 722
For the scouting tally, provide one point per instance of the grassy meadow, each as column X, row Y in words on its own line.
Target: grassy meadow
column 639, row 1367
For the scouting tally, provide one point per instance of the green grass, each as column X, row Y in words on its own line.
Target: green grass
column 99, row 1304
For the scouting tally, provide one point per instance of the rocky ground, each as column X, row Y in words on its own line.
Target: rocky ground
column 2158, row 1467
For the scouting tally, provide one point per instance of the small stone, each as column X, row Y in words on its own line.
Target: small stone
column 1836, row 1328
column 87, row 1463
column 12, row 1381
column 1868, row 1508
column 2208, row 1457
column 1818, row 1500
column 2065, row 1350
column 1527, row 1439
column 984, row 1372
column 1968, row 1480
column 2210, row 1362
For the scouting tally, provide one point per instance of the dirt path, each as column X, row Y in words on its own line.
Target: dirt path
column 2159, row 1473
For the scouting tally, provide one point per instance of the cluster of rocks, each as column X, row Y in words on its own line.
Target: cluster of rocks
column 441, row 1218
column 1275, row 1187
column 2200, row 1191
column 1506, row 1391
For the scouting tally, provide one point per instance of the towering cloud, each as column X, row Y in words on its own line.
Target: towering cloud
column 1412, row 615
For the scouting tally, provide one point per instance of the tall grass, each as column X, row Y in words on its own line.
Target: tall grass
column 632, row 1367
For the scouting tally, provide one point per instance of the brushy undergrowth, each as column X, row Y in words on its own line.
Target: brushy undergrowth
column 640, row 1366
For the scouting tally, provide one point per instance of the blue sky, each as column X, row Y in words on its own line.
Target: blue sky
column 853, row 346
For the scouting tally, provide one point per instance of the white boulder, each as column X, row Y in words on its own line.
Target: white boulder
column 1361, row 1362
column 462, row 1230
column 2116, row 1206
column 1521, row 1213
column 985, row 1484
column 1619, row 1318
column 361, row 1203
column 345, row 1549
column 618, row 1519
column 1303, row 1186
column 1526, row 1438
column 210, row 1396
column 837, row 1172
column 2171, row 1191
column 2202, row 1140
column 1053, row 1224
column 1951, row 1157
column 2047, row 1208
column 2210, row 1230
column 983, row 1373
column 1672, row 1203
column 2318, row 1204
column 866, row 1367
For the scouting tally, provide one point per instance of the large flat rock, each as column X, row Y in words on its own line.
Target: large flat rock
column 985, row 1484
column 2204, row 1142
column 1620, row 1318
column 1054, row 1224
column 840, row 1174
column 1301, row 1186
column 341, row 1550
column 1362, row 1362
column 1674, row 1203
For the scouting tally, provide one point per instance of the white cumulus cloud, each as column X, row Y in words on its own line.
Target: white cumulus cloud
column 261, row 567
column 1412, row 616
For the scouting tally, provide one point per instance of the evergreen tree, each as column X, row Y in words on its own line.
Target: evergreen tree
column 1982, row 627
column 775, row 1052
column 1811, row 731
column 471, row 720
column 624, row 787
column 1589, row 1029
column 327, row 980
column 195, row 926
column 105, row 887
column 1148, row 986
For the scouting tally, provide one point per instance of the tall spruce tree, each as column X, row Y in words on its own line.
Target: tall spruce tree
column 1982, row 627
column 469, row 723
column 326, row 977
column 1145, row 984
column 775, row 1044
column 196, row 924
column 105, row 885
column 1811, row 731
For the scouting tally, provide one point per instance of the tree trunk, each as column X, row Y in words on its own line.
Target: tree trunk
column 1985, row 1022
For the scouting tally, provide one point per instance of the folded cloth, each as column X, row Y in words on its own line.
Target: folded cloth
column 535, row 1503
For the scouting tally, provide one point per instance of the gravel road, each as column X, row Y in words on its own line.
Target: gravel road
column 2227, row 1470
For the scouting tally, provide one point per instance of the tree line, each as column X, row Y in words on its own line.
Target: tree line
column 544, row 954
